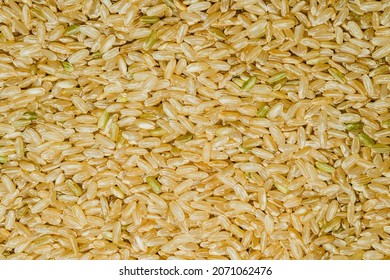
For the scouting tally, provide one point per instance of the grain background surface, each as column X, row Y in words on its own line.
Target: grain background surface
column 186, row 129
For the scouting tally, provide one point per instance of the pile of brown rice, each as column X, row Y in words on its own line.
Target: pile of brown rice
column 190, row 129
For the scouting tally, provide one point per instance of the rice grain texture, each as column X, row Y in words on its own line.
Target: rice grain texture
column 191, row 129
